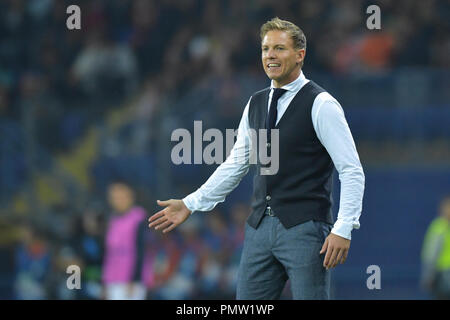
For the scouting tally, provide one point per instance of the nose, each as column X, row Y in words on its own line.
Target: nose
column 271, row 54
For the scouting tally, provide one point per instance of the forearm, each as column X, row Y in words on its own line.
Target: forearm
column 224, row 180
column 228, row 175
column 350, row 204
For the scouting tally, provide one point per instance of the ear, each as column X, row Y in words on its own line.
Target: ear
column 300, row 55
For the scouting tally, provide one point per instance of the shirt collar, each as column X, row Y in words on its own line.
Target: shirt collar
column 295, row 85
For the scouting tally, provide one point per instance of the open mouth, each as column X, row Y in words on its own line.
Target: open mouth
column 273, row 67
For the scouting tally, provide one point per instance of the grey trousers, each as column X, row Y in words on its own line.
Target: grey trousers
column 272, row 254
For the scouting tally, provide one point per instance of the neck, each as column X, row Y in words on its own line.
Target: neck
column 122, row 211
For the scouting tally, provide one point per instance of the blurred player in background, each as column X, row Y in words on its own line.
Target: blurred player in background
column 123, row 272
column 436, row 254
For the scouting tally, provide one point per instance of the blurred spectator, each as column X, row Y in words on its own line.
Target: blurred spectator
column 376, row 51
column 104, row 69
column 124, row 274
column 9, row 238
column 182, row 283
column 64, row 255
column 165, row 265
column 32, row 265
column 146, row 23
column 41, row 110
column 90, row 249
column 436, row 254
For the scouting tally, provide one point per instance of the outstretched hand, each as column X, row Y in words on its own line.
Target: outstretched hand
column 174, row 214
column 336, row 249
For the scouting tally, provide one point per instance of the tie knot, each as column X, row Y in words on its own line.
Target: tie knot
column 277, row 93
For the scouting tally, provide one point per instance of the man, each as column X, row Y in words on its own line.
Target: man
column 288, row 233
column 124, row 274
column 435, row 277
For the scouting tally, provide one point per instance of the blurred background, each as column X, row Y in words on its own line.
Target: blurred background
column 81, row 109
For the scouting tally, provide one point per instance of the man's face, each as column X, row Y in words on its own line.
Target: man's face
column 280, row 60
column 120, row 197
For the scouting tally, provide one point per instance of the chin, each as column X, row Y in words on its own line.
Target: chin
column 272, row 76
column 275, row 78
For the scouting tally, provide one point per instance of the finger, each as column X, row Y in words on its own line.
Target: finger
column 163, row 203
column 170, row 228
column 338, row 257
column 157, row 215
column 163, row 225
column 324, row 246
column 344, row 256
column 326, row 261
column 158, row 222
column 332, row 260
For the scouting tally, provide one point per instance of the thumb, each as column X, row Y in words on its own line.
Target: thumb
column 163, row 203
column 324, row 247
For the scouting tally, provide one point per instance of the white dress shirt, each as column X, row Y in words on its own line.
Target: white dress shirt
column 333, row 132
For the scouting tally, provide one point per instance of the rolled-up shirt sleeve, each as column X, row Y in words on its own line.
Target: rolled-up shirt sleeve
column 334, row 133
column 228, row 175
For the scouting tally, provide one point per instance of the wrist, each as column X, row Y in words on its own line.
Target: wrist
column 186, row 207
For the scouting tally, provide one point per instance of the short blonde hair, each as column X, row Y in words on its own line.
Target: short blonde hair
column 296, row 34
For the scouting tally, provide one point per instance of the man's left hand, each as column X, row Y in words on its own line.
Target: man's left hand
column 336, row 249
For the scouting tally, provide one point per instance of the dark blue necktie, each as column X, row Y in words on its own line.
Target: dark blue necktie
column 272, row 116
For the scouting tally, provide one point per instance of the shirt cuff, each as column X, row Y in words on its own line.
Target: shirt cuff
column 343, row 229
column 188, row 203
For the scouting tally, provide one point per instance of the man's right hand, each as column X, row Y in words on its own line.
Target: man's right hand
column 174, row 214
